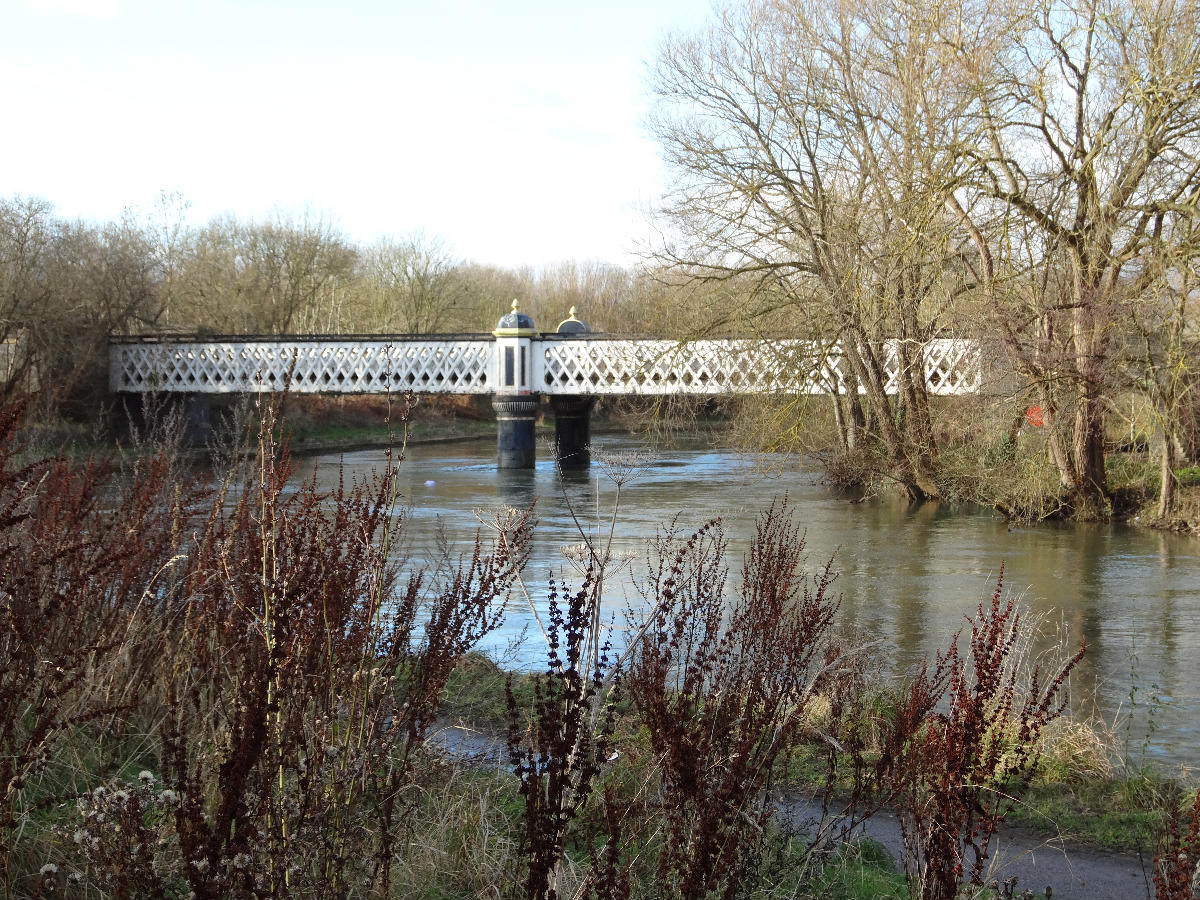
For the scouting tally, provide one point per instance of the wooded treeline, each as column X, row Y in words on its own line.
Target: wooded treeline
column 65, row 286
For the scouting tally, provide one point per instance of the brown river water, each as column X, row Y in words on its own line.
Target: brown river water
column 908, row 576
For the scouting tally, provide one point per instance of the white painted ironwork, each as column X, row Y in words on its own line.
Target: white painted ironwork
column 605, row 366
column 352, row 366
column 468, row 365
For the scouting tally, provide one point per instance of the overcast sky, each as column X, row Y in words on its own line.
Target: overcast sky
column 512, row 130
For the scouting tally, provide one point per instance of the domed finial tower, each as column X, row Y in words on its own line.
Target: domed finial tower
column 514, row 323
column 514, row 401
column 572, row 325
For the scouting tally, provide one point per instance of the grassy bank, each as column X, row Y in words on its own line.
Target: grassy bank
column 1082, row 790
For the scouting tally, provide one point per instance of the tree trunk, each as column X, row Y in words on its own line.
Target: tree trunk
column 1088, row 449
column 914, row 474
column 845, row 429
column 1068, row 474
column 1166, row 489
column 918, row 424
column 858, row 421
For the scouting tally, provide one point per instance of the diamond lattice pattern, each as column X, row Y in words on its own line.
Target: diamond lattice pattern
column 735, row 367
column 350, row 366
column 561, row 366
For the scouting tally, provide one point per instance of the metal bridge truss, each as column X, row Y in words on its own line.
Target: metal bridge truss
column 467, row 365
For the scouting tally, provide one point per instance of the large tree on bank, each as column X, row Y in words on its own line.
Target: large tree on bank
column 1092, row 118
column 817, row 148
column 876, row 165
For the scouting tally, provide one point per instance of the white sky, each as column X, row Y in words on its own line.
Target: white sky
column 512, row 130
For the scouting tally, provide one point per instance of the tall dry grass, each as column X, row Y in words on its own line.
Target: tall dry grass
column 253, row 640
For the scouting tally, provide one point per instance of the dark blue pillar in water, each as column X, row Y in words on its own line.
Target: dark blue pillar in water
column 515, row 441
column 186, row 417
column 572, row 430
column 197, row 419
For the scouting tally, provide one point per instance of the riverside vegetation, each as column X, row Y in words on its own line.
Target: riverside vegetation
column 66, row 287
column 224, row 687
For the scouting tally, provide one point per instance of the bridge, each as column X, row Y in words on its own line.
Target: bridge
column 516, row 364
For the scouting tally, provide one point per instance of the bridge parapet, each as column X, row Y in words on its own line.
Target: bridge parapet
column 579, row 364
column 736, row 366
column 436, row 364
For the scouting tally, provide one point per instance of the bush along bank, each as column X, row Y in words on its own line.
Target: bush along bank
column 224, row 688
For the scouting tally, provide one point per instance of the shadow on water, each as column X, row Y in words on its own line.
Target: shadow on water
column 909, row 575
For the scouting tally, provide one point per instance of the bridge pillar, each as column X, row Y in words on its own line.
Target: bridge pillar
column 572, row 430
column 197, row 419
column 573, row 413
column 188, row 415
column 515, row 441
column 515, row 403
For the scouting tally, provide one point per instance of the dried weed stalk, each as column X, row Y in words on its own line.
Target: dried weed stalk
column 965, row 739
column 298, row 687
column 723, row 690
column 82, row 571
column 1177, row 863
column 558, row 752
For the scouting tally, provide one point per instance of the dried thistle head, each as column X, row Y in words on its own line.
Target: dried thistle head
column 582, row 557
column 505, row 520
column 622, row 467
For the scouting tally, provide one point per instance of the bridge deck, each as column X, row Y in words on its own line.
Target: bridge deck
column 466, row 364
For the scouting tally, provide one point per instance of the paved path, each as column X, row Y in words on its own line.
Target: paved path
column 1074, row 872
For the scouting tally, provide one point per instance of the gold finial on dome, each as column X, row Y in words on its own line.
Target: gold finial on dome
column 571, row 315
column 516, row 304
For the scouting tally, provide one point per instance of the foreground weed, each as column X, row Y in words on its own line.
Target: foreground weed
column 82, row 575
column 1177, row 863
column 723, row 690
column 957, row 773
column 301, row 685
column 558, row 752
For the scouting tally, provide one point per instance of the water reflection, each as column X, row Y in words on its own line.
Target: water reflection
column 908, row 575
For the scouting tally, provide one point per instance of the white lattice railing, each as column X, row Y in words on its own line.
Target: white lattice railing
column 351, row 366
column 465, row 365
column 733, row 367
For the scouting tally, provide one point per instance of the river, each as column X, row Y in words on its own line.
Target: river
column 908, row 576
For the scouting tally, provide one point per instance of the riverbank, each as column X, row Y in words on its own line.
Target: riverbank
column 1083, row 827
column 1019, row 486
column 437, row 420
column 230, row 694
column 319, row 424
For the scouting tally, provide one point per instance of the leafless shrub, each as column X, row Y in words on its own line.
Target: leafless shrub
column 82, row 567
column 966, row 738
column 559, row 752
column 1177, row 863
column 723, row 689
column 301, row 684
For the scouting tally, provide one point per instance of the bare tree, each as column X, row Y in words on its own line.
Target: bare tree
column 268, row 278
column 1164, row 361
column 411, row 286
column 817, row 148
column 599, row 292
column 26, row 237
column 169, row 237
column 1092, row 115
column 64, row 288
